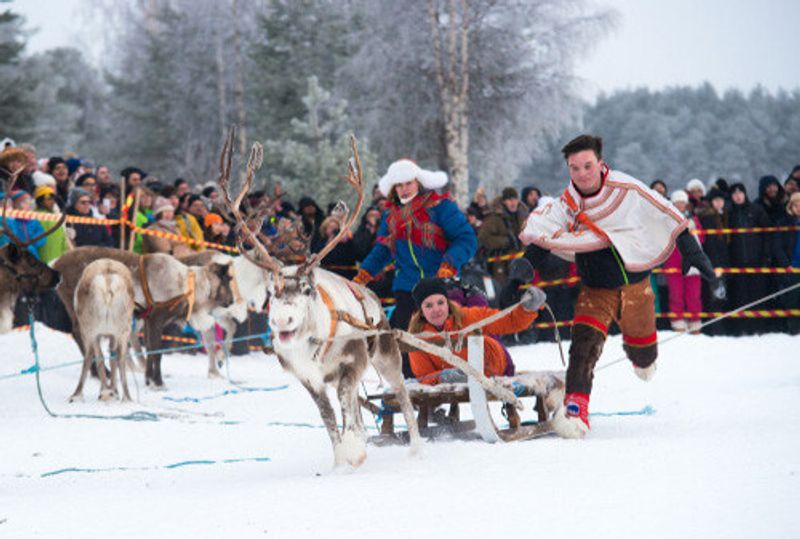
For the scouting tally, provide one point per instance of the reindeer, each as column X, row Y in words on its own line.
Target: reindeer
column 104, row 303
column 20, row 271
column 317, row 316
column 164, row 293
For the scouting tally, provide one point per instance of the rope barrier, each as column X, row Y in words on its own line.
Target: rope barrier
column 181, row 464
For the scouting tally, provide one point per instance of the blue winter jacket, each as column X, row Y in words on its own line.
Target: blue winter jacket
column 25, row 230
column 413, row 262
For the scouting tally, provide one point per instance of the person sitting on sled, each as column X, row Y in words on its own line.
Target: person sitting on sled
column 436, row 313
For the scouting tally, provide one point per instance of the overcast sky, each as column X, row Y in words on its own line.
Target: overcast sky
column 732, row 44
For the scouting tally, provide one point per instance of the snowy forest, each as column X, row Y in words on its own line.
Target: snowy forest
column 485, row 90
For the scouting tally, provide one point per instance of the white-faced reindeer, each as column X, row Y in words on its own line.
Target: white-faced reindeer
column 104, row 308
column 315, row 317
column 20, row 271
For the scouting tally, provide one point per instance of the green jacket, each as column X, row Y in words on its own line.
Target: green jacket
column 55, row 244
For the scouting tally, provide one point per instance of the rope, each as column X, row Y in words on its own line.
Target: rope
column 173, row 466
column 712, row 321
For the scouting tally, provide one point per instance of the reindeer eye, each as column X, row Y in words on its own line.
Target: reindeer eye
column 308, row 290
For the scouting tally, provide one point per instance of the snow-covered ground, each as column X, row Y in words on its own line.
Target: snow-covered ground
column 720, row 457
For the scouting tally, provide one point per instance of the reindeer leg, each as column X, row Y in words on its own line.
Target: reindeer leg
column 153, row 329
column 209, row 341
column 77, row 395
column 122, row 355
column 389, row 363
column 106, row 390
column 328, row 417
column 354, row 439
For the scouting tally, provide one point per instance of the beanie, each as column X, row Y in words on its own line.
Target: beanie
column 428, row 287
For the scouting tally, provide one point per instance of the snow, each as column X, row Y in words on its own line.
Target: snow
column 718, row 458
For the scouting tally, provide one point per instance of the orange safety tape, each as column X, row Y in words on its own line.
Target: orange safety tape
column 176, row 237
column 41, row 216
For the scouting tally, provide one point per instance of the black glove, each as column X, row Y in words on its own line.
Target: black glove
column 693, row 256
column 717, row 289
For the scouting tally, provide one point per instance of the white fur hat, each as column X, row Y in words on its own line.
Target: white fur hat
column 406, row 170
column 696, row 184
column 43, row 178
column 679, row 195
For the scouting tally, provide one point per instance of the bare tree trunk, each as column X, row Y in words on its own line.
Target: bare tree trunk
column 452, row 79
column 221, row 92
column 238, row 89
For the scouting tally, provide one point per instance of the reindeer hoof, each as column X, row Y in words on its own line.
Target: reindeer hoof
column 214, row 374
column 352, row 450
column 77, row 397
column 107, row 395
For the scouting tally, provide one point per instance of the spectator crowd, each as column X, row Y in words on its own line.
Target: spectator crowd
column 190, row 216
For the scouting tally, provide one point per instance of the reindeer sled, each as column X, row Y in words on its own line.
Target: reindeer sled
column 544, row 388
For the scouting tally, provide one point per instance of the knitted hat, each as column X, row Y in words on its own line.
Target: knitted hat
column 211, row 218
column 695, row 184
column 43, row 178
column 428, row 287
column 715, row 193
column 162, row 204
column 509, row 193
column 679, row 195
column 17, row 194
column 406, row 170
column 43, row 191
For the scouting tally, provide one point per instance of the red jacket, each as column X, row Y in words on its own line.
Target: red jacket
column 427, row 367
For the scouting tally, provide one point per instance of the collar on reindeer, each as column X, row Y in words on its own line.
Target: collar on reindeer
column 189, row 295
column 326, row 299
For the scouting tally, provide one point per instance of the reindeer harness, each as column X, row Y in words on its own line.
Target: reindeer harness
column 338, row 315
column 151, row 305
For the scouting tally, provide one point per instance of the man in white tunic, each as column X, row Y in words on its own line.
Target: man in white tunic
column 616, row 230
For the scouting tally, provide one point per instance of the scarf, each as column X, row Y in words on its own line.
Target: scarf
column 412, row 222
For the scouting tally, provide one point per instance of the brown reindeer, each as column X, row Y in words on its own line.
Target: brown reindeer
column 164, row 293
column 104, row 303
column 317, row 316
column 20, row 271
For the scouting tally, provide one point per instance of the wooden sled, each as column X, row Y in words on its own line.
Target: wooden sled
column 546, row 388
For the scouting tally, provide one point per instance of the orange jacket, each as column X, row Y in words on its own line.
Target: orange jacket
column 427, row 367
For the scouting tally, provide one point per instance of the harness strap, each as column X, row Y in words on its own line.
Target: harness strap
column 326, row 299
column 151, row 305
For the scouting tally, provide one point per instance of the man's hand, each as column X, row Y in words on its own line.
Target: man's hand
column 533, row 299
column 717, row 289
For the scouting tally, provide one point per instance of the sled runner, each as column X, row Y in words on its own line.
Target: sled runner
column 544, row 387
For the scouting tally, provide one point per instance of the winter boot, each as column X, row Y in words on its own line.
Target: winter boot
column 679, row 325
column 694, row 327
column 572, row 419
column 645, row 373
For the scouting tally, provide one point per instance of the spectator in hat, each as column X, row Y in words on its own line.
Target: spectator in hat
column 717, row 246
column 181, row 186
column 659, row 187
column 530, row 197
column 422, row 233
column 696, row 192
column 217, row 230
column 684, row 290
column 131, row 178
column 499, row 233
column 188, row 225
column 164, row 222
column 55, row 244
column 312, row 216
column 23, row 228
column 792, row 183
column 79, row 204
column 12, row 159
column 436, row 313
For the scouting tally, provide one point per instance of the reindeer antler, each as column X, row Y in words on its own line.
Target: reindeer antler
column 254, row 162
column 11, row 236
column 355, row 177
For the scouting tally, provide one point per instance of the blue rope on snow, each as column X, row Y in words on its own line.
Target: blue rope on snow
column 240, row 389
column 165, row 467
column 647, row 410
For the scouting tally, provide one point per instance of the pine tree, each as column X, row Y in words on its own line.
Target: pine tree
column 17, row 110
column 312, row 159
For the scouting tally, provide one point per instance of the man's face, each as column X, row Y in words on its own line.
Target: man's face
column 309, row 211
column 103, row 175
column 182, row 189
column 532, row 199
column 791, row 186
column 696, row 193
column 511, row 204
column 60, row 172
column 198, row 209
column 738, row 197
column 134, row 180
column 584, row 171
column 772, row 190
